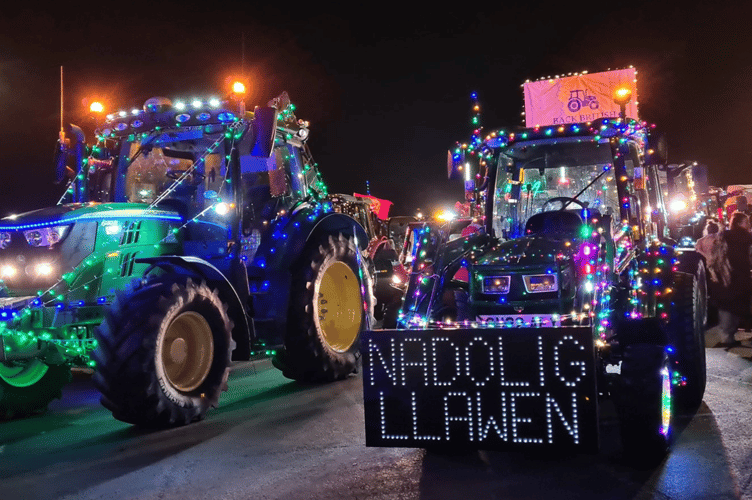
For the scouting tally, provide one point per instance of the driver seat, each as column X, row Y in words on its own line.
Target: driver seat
column 559, row 221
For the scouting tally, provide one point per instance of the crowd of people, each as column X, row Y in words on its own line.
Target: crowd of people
column 728, row 257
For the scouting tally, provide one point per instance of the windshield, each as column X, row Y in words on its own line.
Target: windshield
column 547, row 176
column 189, row 168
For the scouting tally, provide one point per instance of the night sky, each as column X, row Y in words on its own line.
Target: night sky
column 385, row 87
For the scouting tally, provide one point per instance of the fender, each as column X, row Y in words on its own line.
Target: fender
column 688, row 260
column 281, row 246
column 242, row 333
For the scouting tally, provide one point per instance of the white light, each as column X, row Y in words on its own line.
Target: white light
column 678, row 205
column 396, row 279
column 196, row 103
column 214, row 102
column 44, row 269
column 135, row 111
column 123, row 113
column 180, row 105
column 7, row 271
column 222, row 208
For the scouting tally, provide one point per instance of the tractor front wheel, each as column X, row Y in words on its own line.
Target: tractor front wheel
column 27, row 387
column 163, row 353
column 687, row 337
column 643, row 403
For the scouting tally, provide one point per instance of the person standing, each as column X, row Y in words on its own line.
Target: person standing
column 709, row 238
column 730, row 261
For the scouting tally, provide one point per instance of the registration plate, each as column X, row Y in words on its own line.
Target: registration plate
column 521, row 320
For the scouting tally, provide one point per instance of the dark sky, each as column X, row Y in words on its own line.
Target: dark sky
column 385, row 86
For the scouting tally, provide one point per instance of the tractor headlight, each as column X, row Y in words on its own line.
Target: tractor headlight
column 678, row 205
column 44, row 269
column 496, row 284
column 7, row 271
column 45, row 236
column 540, row 283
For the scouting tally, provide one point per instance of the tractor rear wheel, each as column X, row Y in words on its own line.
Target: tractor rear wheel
column 27, row 387
column 331, row 302
column 163, row 353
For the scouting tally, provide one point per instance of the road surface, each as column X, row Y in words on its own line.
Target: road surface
column 275, row 439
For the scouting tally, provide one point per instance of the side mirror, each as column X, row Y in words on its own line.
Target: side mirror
column 454, row 167
column 69, row 153
column 657, row 150
column 700, row 178
column 264, row 128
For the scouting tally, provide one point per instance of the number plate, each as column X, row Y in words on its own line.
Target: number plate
column 521, row 320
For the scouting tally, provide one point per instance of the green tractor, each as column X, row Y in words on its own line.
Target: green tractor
column 189, row 236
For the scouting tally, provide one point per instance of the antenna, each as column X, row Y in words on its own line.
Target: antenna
column 62, row 129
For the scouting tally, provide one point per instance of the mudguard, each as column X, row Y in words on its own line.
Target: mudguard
column 282, row 245
column 242, row 333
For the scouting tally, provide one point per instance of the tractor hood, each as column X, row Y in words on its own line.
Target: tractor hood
column 529, row 251
column 67, row 214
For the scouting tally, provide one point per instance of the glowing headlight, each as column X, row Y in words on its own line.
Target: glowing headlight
column 496, row 284
column 7, row 271
column 45, row 236
column 396, row 279
column 43, row 269
column 678, row 205
column 222, row 208
column 4, row 240
column 540, row 283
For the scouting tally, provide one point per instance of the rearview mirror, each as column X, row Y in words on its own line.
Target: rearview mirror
column 264, row 128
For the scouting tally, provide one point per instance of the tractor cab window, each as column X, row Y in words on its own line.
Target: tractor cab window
column 549, row 176
column 265, row 182
column 192, row 172
column 147, row 175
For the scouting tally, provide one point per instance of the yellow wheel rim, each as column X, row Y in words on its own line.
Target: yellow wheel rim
column 187, row 351
column 339, row 307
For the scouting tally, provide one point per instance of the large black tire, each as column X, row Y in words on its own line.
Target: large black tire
column 26, row 388
column 687, row 337
column 331, row 303
column 163, row 352
column 642, row 397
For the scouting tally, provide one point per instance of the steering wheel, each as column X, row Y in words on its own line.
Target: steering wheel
column 194, row 177
column 564, row 200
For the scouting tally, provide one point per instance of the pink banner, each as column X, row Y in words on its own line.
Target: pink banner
column 578, row 99
column 378, row 206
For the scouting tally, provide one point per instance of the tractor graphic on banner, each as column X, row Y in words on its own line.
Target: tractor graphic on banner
column 579, row 99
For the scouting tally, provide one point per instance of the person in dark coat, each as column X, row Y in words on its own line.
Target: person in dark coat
column 735, row 289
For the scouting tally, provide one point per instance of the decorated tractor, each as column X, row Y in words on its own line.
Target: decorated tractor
column 188, row 237
column 573, row 296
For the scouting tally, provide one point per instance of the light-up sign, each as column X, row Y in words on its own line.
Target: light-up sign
column 578, row 99
column 480, row 388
